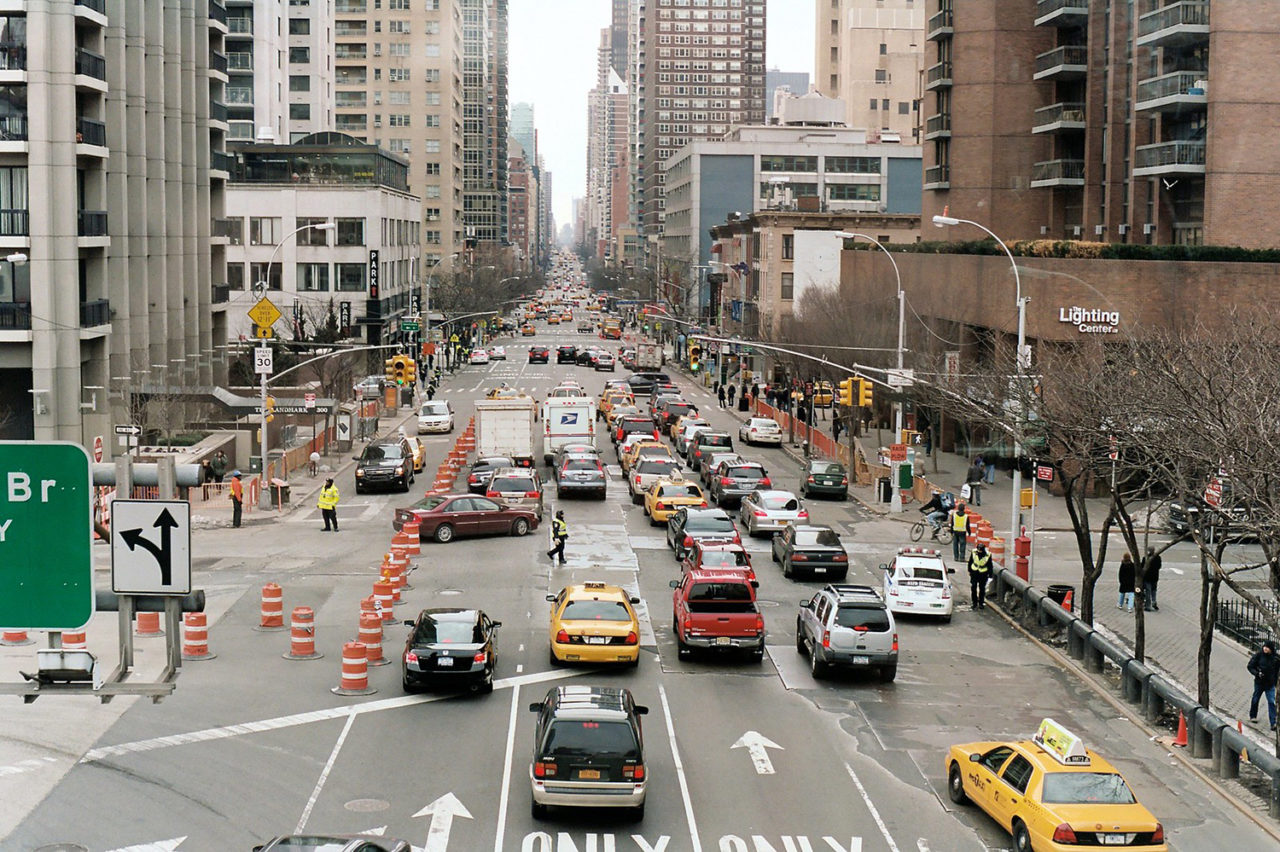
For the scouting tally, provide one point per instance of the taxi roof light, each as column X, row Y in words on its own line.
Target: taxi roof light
column 1062, row 745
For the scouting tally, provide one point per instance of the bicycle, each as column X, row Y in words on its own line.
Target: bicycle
column 919, row 527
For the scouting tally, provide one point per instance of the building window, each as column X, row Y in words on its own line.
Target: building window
column 904, row 108
column 397, row 49
column 312, row 236
column 350, row 232
column 299, row 55
column 431, row 146
column 884, row 104
column 235, row 276
column 884, row 49
column 788, row 286
column 401, row 27
column 349, row 277
column 433, row 120
column 398, row 5
column 264, row 230
column 853, row 191
column 854, row 165
column 788, row 246
column 432, row 237
column 299, row 26
column 299, row 112
column 787, row 163
column 875, row 103
column 397, row 75
column 259, row 272
column 397, row 119
column 313, row 277
column 299, row 83
column 433, row 50
column 433, row 168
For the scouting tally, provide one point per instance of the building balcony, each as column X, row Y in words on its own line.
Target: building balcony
column 91, row 70
column 221, row 161
column 240, row 26
column 218, row 13
column 15, row 316
column 13, row 128
column 218, row 112
column 938, row 126
column 14, row 223
column 937, row 177
column 241, row 60
column 351, row 7
column 240, row 96
column 1056, row 118
column 1174, row 93
column 1062, row 13
column 1169, row 158
column 1062, row 63
column 93, row 11
column 218, row 62
column 93, row 223
column 938, row 76
column 91, row 132
column 95, row 313
column 1058, row 173
column 1175, row 25
column 221, row 293
column 940, row 26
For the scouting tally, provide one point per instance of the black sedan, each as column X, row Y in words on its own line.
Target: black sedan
column 825, row 478
column 482, row 471
column 451, row 647
column 814, row 550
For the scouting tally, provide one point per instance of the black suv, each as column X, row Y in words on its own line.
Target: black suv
column 644, row 382
column 386, row 463
column 566, row 354
column 588, row 750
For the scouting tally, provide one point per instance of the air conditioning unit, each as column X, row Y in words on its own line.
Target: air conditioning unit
column 1044, row 229
column 1099, row 230
column 1075, row 230
column 1124, row 229
column 1148, row 229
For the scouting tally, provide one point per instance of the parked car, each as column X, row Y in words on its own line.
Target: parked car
column 370, row 387
column 760, row 430
column 917, row 582
column 847, row 626
column 435, row 416
column 813, row 550
column 444, row 517
column 385, row 463
column 450, row 646
column 769, row 511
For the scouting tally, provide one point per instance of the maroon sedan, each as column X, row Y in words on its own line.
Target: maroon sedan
column 444, row 517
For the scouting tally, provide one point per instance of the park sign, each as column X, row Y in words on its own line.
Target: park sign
column 46, row 559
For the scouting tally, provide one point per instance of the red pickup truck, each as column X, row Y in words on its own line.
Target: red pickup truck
column 716, row 611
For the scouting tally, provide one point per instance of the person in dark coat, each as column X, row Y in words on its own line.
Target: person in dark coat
column 1265, row 668
column 974, row 480
column 1151, row 580
column 733, row 389
column 1127, row 572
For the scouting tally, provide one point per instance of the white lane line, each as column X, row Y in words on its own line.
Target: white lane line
column 684, row 782
column 875, row 814
column 506, row 771
column 296, row 719
column 324, row 774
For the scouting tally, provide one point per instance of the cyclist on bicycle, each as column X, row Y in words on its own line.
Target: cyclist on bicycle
column 935, row 511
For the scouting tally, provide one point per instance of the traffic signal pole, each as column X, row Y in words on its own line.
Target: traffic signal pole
column 264, row 493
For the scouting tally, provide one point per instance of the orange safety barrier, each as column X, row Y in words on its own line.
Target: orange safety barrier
column 997, row 549
column 195, row 637
column 74, row 640
column 370, row 636
column 383, row 595
column 974, row 520
column 984, row 533
column 355, row 671
column 272, row 611
column 1181, row 740
column 148, row 624
column 391, row 575
column 15, row 637
column 412, row 529
column 302, row 635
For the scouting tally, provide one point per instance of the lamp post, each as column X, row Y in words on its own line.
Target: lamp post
column 742, row 285
column 426, row 309
column 260, row 290
column 847, row 235
column 1019, row 358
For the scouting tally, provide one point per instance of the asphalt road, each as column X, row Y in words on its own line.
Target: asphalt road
column 252, row 745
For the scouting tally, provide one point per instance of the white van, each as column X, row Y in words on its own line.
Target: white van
column 567, row 420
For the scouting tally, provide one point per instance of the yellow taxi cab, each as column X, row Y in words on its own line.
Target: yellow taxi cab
column 665, row 496
column 505, row 392
column 567, row 316
column 823, row 394
column 527, row 330
column 419, row 453
column 649, row 448
column 553, row 319
column 1052, row 793
column 594, row 623
column 610, row 398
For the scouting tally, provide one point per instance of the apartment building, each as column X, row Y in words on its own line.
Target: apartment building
column 703, row 73
column 484, row 123
column 606, row 148
column 522, row 198
column 110, row 126
column 1099, row 119
column 870, row 53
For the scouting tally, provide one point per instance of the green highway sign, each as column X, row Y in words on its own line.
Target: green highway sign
column 409, row 325
column 46, row 535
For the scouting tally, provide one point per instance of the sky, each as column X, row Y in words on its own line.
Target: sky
column 552, row 49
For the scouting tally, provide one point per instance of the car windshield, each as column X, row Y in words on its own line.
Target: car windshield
column 383, row 452
column 446, row 632
column 513, row 483
column 592, row 610
column 434, row 408
column 780, row 502
column 702, row 524
column 1086, row 788
column 570, row 737
column 823, row 538
column 681, row 491
column 854, row 617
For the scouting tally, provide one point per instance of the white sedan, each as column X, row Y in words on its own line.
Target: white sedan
column 479, row 356
column 760, row 430
column 768, row 511
column 497, row 353
column 917, row 581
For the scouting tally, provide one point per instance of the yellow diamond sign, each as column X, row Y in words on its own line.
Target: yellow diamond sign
column 264, row 313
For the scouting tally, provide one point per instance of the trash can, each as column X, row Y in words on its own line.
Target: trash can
column 744, row 403
column 279, row 493
column 884, row 489
column 1059, row 593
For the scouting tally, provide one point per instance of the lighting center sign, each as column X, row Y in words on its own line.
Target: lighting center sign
column 1091, row 320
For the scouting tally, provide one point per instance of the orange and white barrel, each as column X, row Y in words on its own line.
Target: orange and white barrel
column 391, row 575
column 412, row 528
column 148, row 624
column 15, row 637
column 399, row 540
column 997, row 550
column 195, row 637
column 272, row 610
column 382, row 593
column 302, row 635
column 370, row 635
column 355, row 671
column 74, row 640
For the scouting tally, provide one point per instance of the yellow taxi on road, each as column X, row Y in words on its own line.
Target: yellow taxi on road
column 505, row 392
column 610, row 398
column 594, row 623
column 527, row 330
column 553, row 319
column 823, row 394
column 649, row 449
column 419, row 453
column 665, row 496
column 1051, row 793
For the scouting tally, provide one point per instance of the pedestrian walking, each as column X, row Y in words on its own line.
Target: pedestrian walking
column 559, row 535
column 990, row 464
column 720, row 394
column 960, row 524
column 431, row 390
column 730, row 393
column 755, row 391
column 237, row 498
column 313, row 462
column 328, row 503
column 219, row 466
column 1151, row 580
column 206, row 472
column 1265, row 668
column 1127, row 571
column 979, row 573
column 835, row 428
column 974, row 480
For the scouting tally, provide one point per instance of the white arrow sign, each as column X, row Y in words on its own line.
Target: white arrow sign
column 755, row 744
column 442, row 812
column 154, row 846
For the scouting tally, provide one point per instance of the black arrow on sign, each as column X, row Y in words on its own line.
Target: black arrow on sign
column 163, row 555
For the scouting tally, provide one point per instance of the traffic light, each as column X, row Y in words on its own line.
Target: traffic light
column 411, row 371
column 389, row 370
column 864, row 393
column 271, row 408
column 401, row 367
column 695, row 358
column 846, row 392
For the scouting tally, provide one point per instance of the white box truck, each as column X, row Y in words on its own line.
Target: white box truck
column 504, row 427
column 567, row 420
column 649, row 356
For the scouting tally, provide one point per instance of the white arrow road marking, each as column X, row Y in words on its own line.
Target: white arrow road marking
column 442, row 811
column 154, row 846
column 755, row 744
column 379, row 831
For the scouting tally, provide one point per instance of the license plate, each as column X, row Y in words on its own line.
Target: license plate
column 596, row 640
column 1112, row 839
column 723, row 640
column 819, row 570
column 444, row 662
column 589, row 774
column 861, row 661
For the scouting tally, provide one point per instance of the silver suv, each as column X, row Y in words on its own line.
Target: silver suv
column 847, row 626
column 518, row 488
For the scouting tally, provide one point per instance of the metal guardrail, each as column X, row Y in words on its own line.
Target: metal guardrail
column 91, row 132
column 93, row 223
column 1208, row 734
column 95, row 313
column 1244, row 622
column 91, row 64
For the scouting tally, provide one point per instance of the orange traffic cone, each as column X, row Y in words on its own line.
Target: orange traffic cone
column 1069, row 600
column 1181, row 740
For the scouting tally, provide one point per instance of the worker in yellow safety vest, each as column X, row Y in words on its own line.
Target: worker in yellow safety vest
column 959, row 521
column 979, row 573
column 328, row 503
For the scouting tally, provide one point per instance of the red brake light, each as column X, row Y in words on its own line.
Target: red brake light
column 844, row 480
column 759, row 513
column 660, row 506
column 1064, row 834
column 632, row 639
column 636, row 772
column 826, row 638
column 803, row 514
column 492, row 494
column 811, row 479
column 1157, row 836
column 759, row 622
column 766, row 481
column 532, row 493
column 703, row 504
column 563, row 637
column 542, row 769
column 799, row 557
column 410, row 657
column 688, row 541
column 724, row 480
column 841, row 557
column 480, row 657
column 895, row 641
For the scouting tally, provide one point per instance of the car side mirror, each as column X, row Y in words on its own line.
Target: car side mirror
column 755, row 584
column 641, row 710
column 535, row 707
column 408, row 623
column 950, row 570
column 806, row 603
column 634, row 599
column 884, row 566
column 355, row 458
column 551, row 598
column 497, row 624
column 975, row 757
column 675, row 584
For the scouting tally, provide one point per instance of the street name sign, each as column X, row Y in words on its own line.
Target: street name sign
column 46, row 529
column 151, row 547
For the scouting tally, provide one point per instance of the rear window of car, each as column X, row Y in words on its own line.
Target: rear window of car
column 707, row 592
column 428, row 502
column 780, row 502
column 826, row 538
column 432, row 632
column 581, row 464
column 854, row 617
column 745, row 471
column 591, row 610
column 676, row 409
column 681, row 491
column 826, row 468
column 701, row 524
column 715, row 440
column 513, row 483
column 1086, row 788
column 629, row 424
column 658, row 466
column 570, row 738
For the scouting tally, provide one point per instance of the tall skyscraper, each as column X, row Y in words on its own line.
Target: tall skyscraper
column 484, row 122
column 870, row 53
column 606, row 147
column 522, row 129
column 618, row 33
column 703, row 72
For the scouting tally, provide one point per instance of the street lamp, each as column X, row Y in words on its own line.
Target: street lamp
column 902, row 303
column 426, row 311
column 742, row 288
column 1019, row 358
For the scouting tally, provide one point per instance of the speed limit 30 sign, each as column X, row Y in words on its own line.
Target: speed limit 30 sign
column 263, row 362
